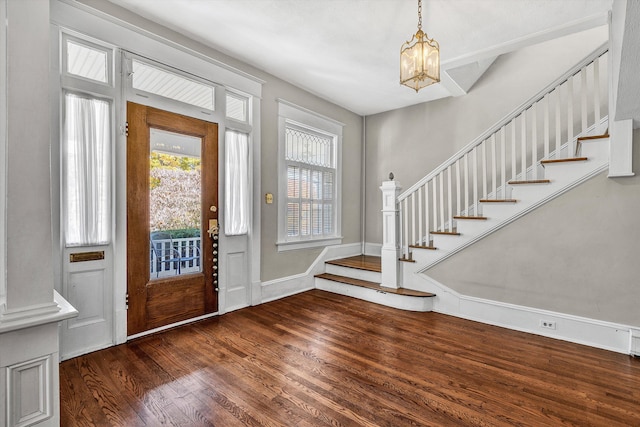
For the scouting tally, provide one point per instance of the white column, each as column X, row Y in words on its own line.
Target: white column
column 30, row 309
column 390, row 245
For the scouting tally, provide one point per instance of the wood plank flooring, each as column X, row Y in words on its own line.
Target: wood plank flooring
column 320, row 359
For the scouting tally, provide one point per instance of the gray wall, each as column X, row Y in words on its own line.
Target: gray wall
column 577, row 254
column 275, row 264
column 281, row 264
column 410, row 142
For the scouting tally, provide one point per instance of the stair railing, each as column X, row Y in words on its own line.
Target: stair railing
column 545, row 126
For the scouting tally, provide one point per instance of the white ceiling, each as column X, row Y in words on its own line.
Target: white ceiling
column 347, row 51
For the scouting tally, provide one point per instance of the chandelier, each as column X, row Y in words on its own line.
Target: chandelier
column 419, row 59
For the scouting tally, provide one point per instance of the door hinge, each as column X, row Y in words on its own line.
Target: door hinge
column 126, row 301
column 125, row 129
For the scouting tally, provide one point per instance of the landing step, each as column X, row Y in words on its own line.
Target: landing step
column 374, row 286
column 532, row 181
column 567, row 160
column 360, row 262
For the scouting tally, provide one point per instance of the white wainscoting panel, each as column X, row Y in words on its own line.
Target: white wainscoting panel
column 237, row 289
column 30, row 392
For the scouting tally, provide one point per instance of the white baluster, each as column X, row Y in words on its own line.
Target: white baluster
column 484, row 168
column 545, row 104
column 420, row 235
column 534, row 141
column 459, row 204
column 558, row 122
column 441, row 223
column 513, row 148
column 426, row 213
column 596, row 90
column 583, row 98
column 435, row 204
column 572, row 148
column 494, row 169
column 475, row 182
column 449, row 199
column 523, row 146
column 413, row 219
column 466, row 183
column 406, row 227
column 503, row 161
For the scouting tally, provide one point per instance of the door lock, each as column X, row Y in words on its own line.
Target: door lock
column 213, row 227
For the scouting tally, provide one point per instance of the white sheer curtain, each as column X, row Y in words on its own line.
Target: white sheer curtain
column 87, row 166
column 236, row 183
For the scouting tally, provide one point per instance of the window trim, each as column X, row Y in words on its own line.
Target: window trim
column 289, row 113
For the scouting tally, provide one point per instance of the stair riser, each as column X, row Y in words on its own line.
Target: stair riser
column 403, row 302
column 371, row 276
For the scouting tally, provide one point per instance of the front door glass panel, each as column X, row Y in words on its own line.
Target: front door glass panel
column 175, row 188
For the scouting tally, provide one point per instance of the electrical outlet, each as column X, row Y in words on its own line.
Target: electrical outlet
column 547, row 324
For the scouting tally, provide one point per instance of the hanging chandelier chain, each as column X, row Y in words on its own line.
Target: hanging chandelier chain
column 419, row 14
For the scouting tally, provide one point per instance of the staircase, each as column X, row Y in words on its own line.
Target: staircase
column 359, row 277
column 550, row 144
column 512, row 201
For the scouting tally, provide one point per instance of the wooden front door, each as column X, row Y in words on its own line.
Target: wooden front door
column 172, row 199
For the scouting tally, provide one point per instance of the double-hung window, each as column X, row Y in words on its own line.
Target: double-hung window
column 309, row 179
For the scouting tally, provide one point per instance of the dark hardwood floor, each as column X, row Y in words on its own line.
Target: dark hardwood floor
column 319, row 359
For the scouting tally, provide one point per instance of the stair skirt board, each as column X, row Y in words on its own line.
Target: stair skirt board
column 402, row 302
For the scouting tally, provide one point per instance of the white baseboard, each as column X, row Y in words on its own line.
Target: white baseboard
column 374, row 249
column 291, row 285
column 580, row 330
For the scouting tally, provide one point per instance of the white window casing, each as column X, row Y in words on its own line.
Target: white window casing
column 309, row 178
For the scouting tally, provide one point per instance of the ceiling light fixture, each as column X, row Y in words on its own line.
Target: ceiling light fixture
column 419, row 59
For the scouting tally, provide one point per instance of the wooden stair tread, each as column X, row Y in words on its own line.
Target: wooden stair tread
column 406, row 260
column 360, row 262
column 446, row 233
column 567, row 160
column 586, row 138
column 532, row 181
column 498, row 201
column 372, row 285
column 470, row 217
column 433, row 248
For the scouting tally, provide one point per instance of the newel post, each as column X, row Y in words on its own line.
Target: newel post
column 390, row 227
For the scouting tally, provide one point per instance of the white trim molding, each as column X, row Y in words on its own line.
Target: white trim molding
column 580, row 330
column 272, row 290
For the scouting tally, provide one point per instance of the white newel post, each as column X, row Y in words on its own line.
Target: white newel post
column 30, row 309
column 390, row 245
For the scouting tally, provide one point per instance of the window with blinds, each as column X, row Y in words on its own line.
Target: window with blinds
column 310, row 182
column 309, row 178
